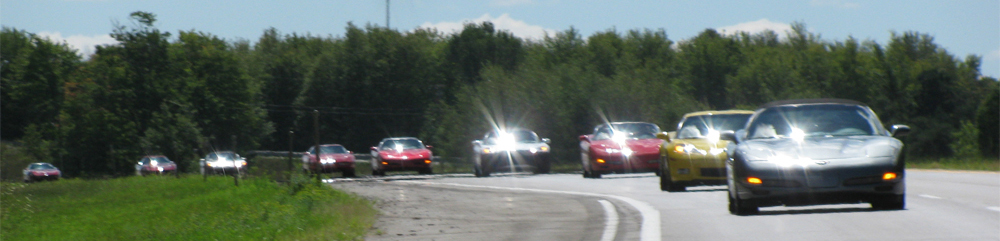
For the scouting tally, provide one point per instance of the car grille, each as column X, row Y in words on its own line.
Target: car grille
column 713, row 172
column 862, row 181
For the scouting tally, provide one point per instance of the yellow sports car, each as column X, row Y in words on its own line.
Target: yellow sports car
column 694, row 155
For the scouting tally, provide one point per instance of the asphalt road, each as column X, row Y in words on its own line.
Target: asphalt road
column 941, row 205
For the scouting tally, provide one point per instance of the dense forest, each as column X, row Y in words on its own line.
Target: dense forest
column 181, row 94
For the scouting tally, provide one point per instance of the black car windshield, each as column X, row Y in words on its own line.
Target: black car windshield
column 699, row 126
column 627, row 131
column 41, row 166
column 812, row 120
column 222, row 155
column 333, row 149
column 520, row 136
column 401, row 144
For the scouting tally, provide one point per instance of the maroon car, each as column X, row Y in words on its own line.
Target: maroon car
column 41, row 171
column 333, row 158
column 620, row 147
column 154, row 165
column 401, row 154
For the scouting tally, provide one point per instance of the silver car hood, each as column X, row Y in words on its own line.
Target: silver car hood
column 821, row 148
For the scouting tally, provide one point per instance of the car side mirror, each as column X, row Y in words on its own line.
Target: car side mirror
column 663, row 136
column 374, row 148
column 900, row 130
column 546, row 140
column 585, row 138
column 429, row 147
column 477, row 142
column 728, row 136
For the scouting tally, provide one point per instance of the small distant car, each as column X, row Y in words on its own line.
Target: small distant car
column 694, row 154
column 333, row 158
column 815, row 151
column 620, row 147
column 41, row 171
column 401, row 154
column 514, row 149
column 223, row 162
column 154, row 165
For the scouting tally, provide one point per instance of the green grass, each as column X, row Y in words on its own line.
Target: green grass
column 189, row 208
column 973, row 164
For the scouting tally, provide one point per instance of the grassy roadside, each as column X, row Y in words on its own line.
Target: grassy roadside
column 968, row 164
column 189, row 208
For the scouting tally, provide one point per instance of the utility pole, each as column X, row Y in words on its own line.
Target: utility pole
column 386, row 13
column 316, row 137
column 290, row 168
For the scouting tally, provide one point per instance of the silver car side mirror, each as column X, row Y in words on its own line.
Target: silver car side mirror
column 546, row 140
column 899, row 130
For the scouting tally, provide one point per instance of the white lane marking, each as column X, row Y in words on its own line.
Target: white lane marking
column 929, row 196
column 994, row 208
column 610, row 221
column 649, row 231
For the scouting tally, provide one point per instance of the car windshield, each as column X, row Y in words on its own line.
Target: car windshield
column 520, row 136
column 41, row 166
column 404, row 144
column 160, row 160
column 627, row 131
column 221, row 156
column 813, row 120
column 700, row 126
column 333, row 149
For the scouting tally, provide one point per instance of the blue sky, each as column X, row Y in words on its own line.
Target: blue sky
column 962, row 27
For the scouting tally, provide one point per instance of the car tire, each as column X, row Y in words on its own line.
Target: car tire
column 543, row 167
column 481, row 172
column 348, row 173
column 741, row 207
column 894, row 202
column 666, row 182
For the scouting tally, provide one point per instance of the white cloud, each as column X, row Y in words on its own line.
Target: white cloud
column 505, row 3
column 757, row 27
column 517, row 27
column 83, row 44
column 993, row 55
column 835, row 3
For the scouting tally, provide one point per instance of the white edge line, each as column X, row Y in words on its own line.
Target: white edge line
column 929, row 196
column 610, row 221
column 649, row 231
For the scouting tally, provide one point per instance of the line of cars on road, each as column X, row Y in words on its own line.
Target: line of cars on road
column 792, row 152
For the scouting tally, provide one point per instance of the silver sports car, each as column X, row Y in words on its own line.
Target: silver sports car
column 815, row 151
column 513, row 150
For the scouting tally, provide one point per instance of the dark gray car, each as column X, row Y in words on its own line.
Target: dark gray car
column 816, row 151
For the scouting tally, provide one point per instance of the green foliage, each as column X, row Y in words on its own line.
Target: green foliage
column 965, row 143
column 151, row 208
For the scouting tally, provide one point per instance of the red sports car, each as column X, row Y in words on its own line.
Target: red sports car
column 401, row 154
column 41, row 171
column 620, row 147
column 154, row 165
column 333, row 158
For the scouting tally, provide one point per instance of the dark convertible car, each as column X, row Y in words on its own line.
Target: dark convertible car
column 815, row 151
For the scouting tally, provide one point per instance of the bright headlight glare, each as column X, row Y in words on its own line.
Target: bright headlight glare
column 487, row 150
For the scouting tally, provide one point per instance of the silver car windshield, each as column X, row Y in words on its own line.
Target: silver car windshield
column 813, row 120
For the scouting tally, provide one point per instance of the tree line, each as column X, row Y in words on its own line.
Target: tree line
column 180, row 96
